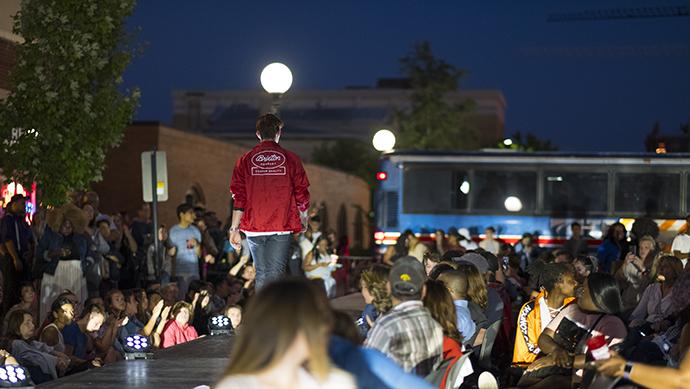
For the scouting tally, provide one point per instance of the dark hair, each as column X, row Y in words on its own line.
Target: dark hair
column 549, row 274
column 605, row 294
column 575, row 224
column 408, row 233
column 449, row 255
column 440, row 269
column 612, row 227
column 439, row 302
column 109, row 298
column 183, row 208
column 344, row 326
column 268, row 126
column 587, row 262
column 14, row 321
column 58, row 303
column 491, row 229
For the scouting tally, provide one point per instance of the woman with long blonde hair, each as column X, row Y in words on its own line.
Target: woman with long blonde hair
column 284, row 341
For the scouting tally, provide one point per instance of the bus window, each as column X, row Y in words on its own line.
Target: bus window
column 491, row 189
column 575, row 194
column 654, row 194
column 461, row 190
column 427, row 189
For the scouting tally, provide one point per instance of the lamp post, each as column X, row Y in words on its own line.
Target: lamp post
column 384, row 140
column 276, row 78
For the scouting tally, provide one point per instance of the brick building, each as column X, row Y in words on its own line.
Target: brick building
column 199, row 171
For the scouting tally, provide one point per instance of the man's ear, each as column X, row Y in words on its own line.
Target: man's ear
column 258, row 135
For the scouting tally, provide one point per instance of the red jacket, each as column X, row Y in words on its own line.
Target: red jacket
column 270, row 185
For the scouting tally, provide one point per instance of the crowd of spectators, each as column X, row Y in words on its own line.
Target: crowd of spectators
column 77, row 282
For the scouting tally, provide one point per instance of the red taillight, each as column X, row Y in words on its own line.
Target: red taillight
column 381, row 176
column 379, row 235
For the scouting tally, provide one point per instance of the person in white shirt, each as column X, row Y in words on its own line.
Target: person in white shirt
column 681, row 244
column 284, row 342
column 489, row 243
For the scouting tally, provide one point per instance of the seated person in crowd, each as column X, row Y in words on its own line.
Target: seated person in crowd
column 79, row 335
column 374, row 284
column 407, row 333
column 178, row 329
column 655, row 305
column 234, row 313
column 656, row 352
column 62, row 314
column 29, row 302
column 488, row 299
column 557, row 285
column 42, row 361
column 293, row 354
column 319, row 263
column 634, row 275
column 457, row 284
column 108, row 347
column 370, row 367
column 584, row 266
column 596, row 311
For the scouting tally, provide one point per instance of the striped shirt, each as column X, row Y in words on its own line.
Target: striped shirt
column 408, row 335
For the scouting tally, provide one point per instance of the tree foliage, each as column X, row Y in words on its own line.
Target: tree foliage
column 351, row 156
column 530, row 143
column 66, row 95
column 431, row 122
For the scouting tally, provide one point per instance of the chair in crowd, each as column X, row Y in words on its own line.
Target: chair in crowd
column 453, row 379
column 484, row 361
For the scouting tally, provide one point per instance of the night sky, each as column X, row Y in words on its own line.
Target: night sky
column 587, row 85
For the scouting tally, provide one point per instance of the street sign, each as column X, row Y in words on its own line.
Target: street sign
column 161, row 176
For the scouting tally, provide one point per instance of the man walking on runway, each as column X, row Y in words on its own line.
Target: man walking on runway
column 271, row 198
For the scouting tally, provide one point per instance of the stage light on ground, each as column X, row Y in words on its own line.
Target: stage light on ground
column 219, row 325
column 14, row 376
column 137, row 347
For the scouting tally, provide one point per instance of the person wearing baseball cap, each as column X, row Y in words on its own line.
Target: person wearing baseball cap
column 407, row 333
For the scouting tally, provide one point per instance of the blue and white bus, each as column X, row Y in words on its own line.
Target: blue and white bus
column 540, row 193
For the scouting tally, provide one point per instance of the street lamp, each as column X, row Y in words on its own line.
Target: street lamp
column 384, row 140
column 508, row 142
column 276, row 78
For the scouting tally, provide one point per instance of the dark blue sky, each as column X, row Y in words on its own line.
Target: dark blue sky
column 588, row 85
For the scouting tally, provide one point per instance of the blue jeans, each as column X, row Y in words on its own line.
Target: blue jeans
column 270, row 255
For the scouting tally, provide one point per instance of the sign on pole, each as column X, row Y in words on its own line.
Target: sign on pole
column 161, row 176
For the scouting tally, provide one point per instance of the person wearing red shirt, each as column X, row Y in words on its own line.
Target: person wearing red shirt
column 271, row 199
column 178, row 330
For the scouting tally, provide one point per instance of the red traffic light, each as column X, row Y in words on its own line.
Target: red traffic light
column 381, row 176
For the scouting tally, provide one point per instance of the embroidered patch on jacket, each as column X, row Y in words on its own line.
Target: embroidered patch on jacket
column 268, row 163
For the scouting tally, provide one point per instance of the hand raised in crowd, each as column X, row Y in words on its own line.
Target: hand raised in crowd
column 205, row 298
column 635, row 260
column 158, row 309
column 166, row 313
column 97, row 362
